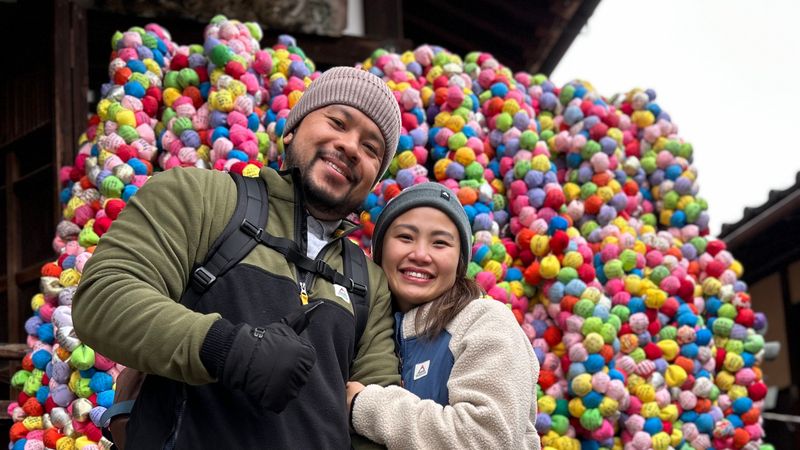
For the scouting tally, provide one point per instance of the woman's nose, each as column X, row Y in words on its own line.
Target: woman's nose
column 420, row 252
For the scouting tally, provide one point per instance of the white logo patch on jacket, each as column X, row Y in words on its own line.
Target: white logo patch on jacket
column 421, row 369
column 341, row 292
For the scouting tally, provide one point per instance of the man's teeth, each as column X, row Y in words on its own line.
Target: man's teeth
column 334, row 166
column 420, row 275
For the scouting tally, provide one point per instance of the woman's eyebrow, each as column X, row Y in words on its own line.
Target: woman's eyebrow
column 436, row 233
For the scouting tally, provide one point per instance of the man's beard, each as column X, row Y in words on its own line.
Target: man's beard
column 316, row 197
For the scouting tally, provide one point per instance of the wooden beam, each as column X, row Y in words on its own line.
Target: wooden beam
column 383, row 19
column 13, row 252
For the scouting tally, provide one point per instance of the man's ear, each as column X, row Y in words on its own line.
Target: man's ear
column 287, row 137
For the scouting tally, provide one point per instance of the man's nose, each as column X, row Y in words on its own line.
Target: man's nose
column 348, row 143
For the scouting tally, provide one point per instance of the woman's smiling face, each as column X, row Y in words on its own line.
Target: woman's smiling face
column 420, row 256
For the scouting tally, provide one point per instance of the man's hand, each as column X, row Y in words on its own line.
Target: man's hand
column 270, row 364
column 353, row 388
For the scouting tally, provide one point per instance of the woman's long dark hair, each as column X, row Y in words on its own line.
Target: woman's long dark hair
column 445, row 308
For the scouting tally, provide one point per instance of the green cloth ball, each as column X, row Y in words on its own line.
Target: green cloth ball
column 591, row 419
column 592, row 325
column 82, row 358
column 528, row 139
column 584, row 308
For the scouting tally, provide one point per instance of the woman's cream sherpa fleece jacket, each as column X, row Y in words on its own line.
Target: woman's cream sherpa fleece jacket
column 492, row 389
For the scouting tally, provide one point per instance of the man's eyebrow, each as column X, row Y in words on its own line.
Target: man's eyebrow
column 349, row 118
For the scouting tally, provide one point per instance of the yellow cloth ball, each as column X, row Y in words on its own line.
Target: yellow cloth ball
column 33, row 423
column 251, row 170
column 546, row 404
column 669, row 413
column 495, row 268
column 406, row 160
column 592, row 293
column 572, row 259
column 294, row 97
column 645, row 392
column 37, row 301
column 82, row 442
column 608, row 407
column 633, row 284
column 661, row 440
column 69, row 277
column 571, row 191
column 65, row 443
column 670, row 349
column 711, row 286
column 169, row 95
column 643, row 118
column 593, row 342
column 676, row 437
column 440, row 167
column 549, row 266
column 575, row 407
column 540, row 163
column 540, row 245
column 724, row 380
column 655, row 298
column 465, row 156
column 732, row 363
column 510, row 106
column 455, row 123
column 650, row 409
column 737, row 391
column 582, row 384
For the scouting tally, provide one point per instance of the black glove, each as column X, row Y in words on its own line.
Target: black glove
column 270, row 364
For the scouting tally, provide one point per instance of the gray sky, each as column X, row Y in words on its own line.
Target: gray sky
column 725, row 71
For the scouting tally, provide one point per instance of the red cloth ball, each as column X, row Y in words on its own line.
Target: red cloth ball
column 653, row 351
column 714, row 247
column 670, row 307
column 715, row 268
column 114, row 207
column 32, row 407
column 746, row 317
column 101, row 225
column 51, row 437
column 179, row 61
column 547, row 379
column 410, row 121
column 554, row 199
column 552, row 335
column 757, row 391
column 150, row 105
column 235, row 69
column 586, row 273
column 559, row 242
column 531, row 274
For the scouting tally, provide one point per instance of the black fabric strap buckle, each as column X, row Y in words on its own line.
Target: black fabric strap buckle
column 203, row 279
column 252, row 230
column 357, row 288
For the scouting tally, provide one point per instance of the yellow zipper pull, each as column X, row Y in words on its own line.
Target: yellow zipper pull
column 303, row 293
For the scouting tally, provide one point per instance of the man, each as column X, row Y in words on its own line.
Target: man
column 228, row 372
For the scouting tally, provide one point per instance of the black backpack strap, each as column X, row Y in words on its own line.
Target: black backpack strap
column 252, row 206
column 355, row 268
column 291, row 251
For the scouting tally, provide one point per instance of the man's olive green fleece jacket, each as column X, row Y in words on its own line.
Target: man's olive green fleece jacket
column 127, row 304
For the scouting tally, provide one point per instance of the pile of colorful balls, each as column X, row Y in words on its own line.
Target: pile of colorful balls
column 586, row 218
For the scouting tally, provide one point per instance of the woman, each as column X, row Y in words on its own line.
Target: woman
column 469, row 373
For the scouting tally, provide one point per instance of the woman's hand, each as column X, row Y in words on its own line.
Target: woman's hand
column 353, row 388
